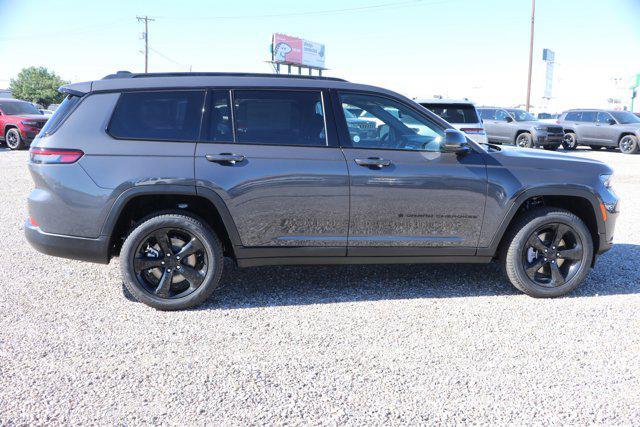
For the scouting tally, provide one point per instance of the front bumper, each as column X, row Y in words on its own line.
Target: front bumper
column 80, row 248
column 611, row 209
column 543, row 139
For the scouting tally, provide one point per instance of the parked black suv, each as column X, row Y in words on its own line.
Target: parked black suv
column 172, row 172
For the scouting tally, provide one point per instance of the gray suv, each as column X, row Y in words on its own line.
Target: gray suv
column 174, row 172
column 601, row 128
column 514, row 126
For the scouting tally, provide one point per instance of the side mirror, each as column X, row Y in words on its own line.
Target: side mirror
column 454, row 142
column 508, row 119
column 612, row 121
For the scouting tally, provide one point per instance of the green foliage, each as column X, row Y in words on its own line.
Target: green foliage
column 39, row 85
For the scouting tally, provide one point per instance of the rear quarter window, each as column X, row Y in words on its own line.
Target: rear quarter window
column 158, row 116
column 62, row 112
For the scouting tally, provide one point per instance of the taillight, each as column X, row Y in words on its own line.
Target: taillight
column 475, row 131
column 54, row 155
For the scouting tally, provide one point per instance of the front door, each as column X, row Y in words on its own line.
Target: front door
column 280, row 174
column 407, row 196
column 606, row 133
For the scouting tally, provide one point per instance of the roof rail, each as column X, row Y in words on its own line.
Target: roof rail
column 127, row 74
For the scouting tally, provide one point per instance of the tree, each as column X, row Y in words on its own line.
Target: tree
column 38, row 85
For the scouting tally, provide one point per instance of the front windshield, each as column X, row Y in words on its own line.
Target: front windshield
column 625, row 117
column 521, row 116
column 14, row 108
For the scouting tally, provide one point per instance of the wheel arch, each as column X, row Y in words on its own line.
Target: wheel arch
column 136, row 203
column 9, row 126
column 580, row 201
column 520, row 132
column 625, row 133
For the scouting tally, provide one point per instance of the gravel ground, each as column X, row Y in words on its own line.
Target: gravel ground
column 319, row 345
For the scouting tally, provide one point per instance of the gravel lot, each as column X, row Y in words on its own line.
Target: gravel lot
column 319, row 345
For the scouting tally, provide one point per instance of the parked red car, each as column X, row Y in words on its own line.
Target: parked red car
column 20, row 122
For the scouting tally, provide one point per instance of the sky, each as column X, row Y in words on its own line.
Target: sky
column 476, row 49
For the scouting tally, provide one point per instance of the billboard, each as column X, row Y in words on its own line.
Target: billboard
column 549, row 57
column 296, row 51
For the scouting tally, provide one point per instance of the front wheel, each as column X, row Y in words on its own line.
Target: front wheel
column 570, row 142
column 629, row 144
column 524, row 140
column 14, row 139
column 547, row 253
column 171, row 262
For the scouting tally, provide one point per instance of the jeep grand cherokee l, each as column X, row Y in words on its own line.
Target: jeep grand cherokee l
column 518, row 127
column 602, row 128
column 173, row 172
column 20, row 122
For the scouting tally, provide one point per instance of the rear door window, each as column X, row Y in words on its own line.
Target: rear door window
column 158, row 115
column 279, row 117
column 588, row 116
column 487, row 114
column 454, row 113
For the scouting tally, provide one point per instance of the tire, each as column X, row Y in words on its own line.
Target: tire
column 570, row 141
column 524, row 140
column 164, row 287
column 13, row 139
column 552, row 147
column 629, row 144
column 576, row 242
column 596, row 147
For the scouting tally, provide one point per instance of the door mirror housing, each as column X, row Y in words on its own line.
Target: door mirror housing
column 612, row 121
column 455, row 142
column 508, row 119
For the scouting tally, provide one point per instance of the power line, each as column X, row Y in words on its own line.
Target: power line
column 146, row 20
column 381, row 6
column 169, row 59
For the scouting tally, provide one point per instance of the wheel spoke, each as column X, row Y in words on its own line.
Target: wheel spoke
column 573, row 254
column 559, row 233
column 145, row 263
column 165, row 243
column 165, row 283
column 556, row 275
column 193, row 276
column 535, row 242
column 190, row 248
column 533, row 268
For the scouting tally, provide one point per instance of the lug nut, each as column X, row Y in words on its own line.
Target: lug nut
column 558, row 254
column 177, row 257
column 545, row 259
column 162, row 263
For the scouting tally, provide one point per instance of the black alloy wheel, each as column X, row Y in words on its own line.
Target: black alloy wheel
column 552, row 255
column 170, row 263
column 569, row 141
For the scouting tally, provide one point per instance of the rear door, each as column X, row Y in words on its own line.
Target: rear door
column 586, row 129
column 407, row 196
column 488, row 116
column 269, row 154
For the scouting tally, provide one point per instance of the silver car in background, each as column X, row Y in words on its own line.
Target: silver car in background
column 601, row 128
column 518, row 127
column 461, row 114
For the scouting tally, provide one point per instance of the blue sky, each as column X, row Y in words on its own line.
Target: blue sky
column 457, row 48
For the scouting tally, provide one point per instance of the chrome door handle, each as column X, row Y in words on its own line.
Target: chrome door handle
column 225, row 158
column 373, row 162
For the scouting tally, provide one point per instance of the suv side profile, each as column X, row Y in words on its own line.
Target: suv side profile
column 174, row 172
column 518, row 127
column 20, row 122
column 602, row 128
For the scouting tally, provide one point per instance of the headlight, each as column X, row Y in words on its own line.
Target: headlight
column 607, row 180
column 540, row 128
column 29, row 123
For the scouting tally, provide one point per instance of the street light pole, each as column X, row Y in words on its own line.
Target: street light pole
column 533, row 18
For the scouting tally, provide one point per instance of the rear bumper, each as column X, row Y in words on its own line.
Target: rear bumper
column 80, row 248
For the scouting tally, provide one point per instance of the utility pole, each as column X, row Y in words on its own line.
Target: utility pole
column 533, row 18
column 145, row 36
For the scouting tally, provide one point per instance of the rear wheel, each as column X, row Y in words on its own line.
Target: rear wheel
column 524, row 140
column 596, row 147
column 13, row 139
column 570, row 142
column 548, row 252
column 628, row 144
column 171, row 262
